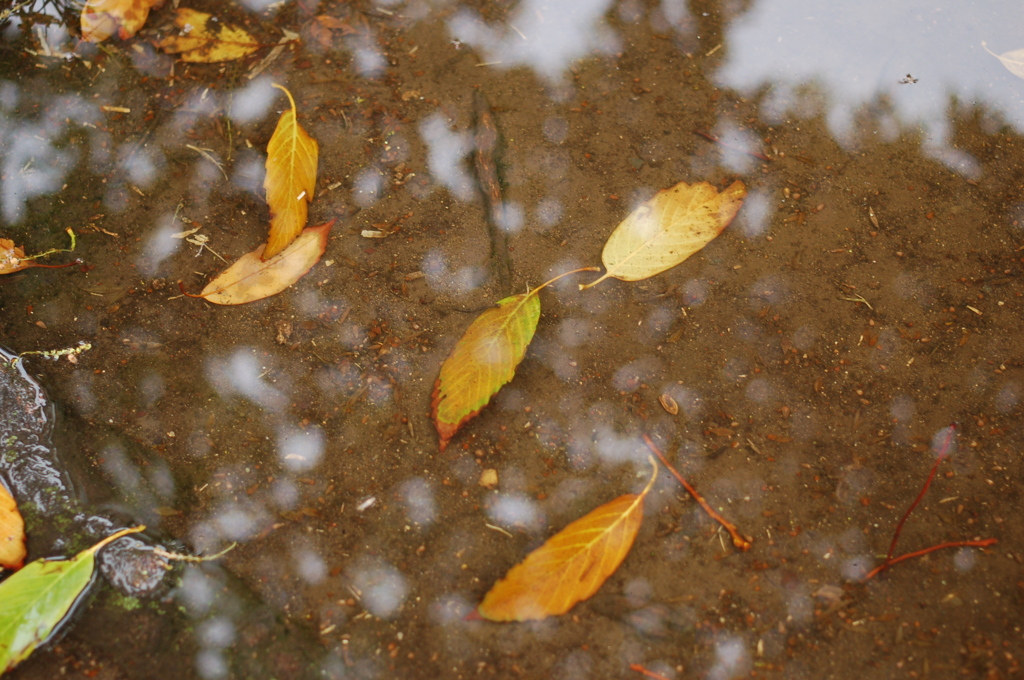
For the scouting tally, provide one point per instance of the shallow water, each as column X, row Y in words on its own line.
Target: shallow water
column 867, row 296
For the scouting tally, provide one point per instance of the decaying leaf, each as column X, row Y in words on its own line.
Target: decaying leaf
column 253, row 278
column 291, row 178
column 103, row 18
column 12, row 258
column 12, row 532
column 1012, row 60
column 571, row 565
column 667, row 229
column 484, row 359
column 39, row 596
column 201, row 42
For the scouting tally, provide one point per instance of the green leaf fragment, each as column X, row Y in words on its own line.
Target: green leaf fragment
column 483, row 360
column 35, row 599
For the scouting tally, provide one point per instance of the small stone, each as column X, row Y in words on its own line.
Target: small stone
column 489, row 478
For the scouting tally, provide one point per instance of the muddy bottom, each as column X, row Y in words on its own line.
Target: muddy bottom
column 867, row 296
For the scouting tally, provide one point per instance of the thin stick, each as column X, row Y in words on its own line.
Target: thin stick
column 574, row 271
column 889, row 559
column 643, row 671
column 712, row 138
column 917, row 553
column 943, row 454
column 737, row 540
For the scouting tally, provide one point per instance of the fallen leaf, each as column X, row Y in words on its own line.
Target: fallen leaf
column 103, row 18
column 12, row 532
column 571, row 565
column 484, row 359
column 667, row 229
column 200, row 42
column 291, row 177
column 321, row 34
column 252, row 278
column 1012, row 60
column 12, row 258
column 39, row 596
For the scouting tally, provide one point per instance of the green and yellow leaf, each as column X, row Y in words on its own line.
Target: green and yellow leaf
column 292, row 157
column 252, row 278
column 571, row 565
column 39, row 596
column 483, row 360
column 200, row 42
column 667, row 229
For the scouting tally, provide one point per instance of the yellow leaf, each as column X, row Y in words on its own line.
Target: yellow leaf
column 252, row 278
column 483, row 360
column 667, row 229
column 12, row 532
column 103, row 18
column 199, row 42
column 291, row 177
column 571, row 565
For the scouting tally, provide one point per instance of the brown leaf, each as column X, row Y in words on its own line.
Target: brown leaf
column 321, row 35
column 251, row 278
column 12, row 258
column 103, row 18
column 571, row 565
column 12, row 532
column 291, row 178
column 200, row 42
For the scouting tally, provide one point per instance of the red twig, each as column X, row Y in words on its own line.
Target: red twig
column 739, row 541
column 944, row 450
column 712, row 138
column 57, row 266
column 943, row 454
column 643, row 671
column 917, row 553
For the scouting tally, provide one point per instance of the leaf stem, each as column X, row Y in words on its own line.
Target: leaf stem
column 181, row 287
column 574, row 271
column 54, row 251
column 584, row 286
column 113, row 537
column 290, row 99
column 737, row 540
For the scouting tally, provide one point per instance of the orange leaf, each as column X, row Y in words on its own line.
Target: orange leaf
column 103, row 18
column 571, row 565
column 291, row 177
column 484, row 359
column 12, row 258
column 251, row 278
column 12, row 532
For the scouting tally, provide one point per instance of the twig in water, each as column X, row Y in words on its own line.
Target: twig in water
column 643, row 671
column 944, row 450
column 738, row 540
